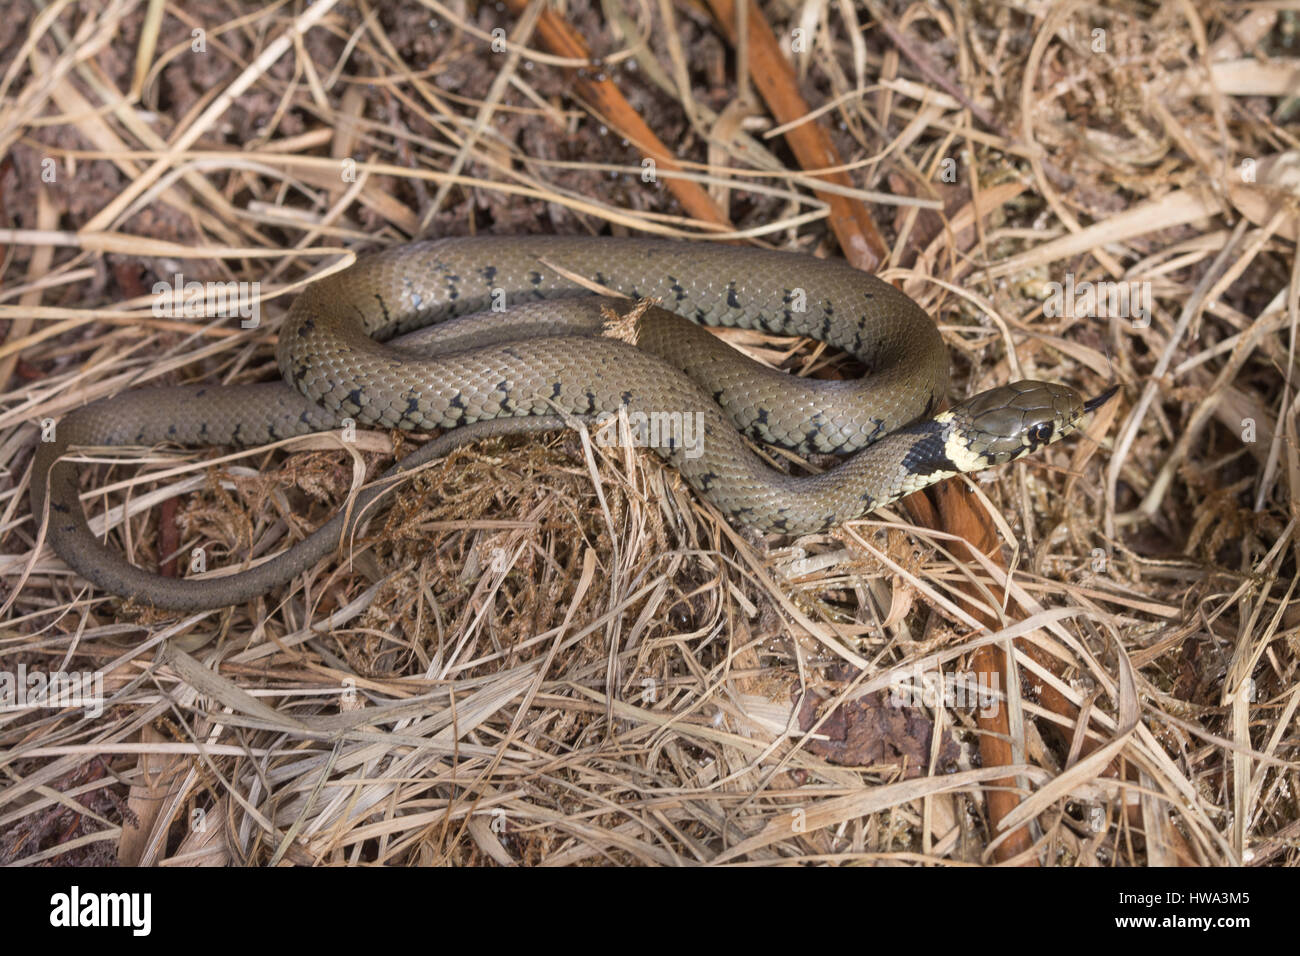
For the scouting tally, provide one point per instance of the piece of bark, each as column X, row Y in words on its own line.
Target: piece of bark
column 603, row 96
column 775, row 79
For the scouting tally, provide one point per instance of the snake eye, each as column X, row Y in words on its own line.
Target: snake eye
column 1041, row 433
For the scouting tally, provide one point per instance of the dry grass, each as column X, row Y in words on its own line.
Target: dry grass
column 545, row 652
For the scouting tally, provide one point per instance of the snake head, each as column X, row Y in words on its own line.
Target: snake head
column 1011, row 421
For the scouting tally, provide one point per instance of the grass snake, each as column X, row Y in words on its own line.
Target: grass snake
column 511, row 343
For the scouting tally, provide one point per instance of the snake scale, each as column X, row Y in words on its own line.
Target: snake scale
column 480, row 368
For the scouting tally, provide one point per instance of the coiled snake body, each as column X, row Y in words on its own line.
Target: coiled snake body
column 526, row 368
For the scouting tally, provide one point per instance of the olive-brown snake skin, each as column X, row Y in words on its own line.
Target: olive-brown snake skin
column 525, row 368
